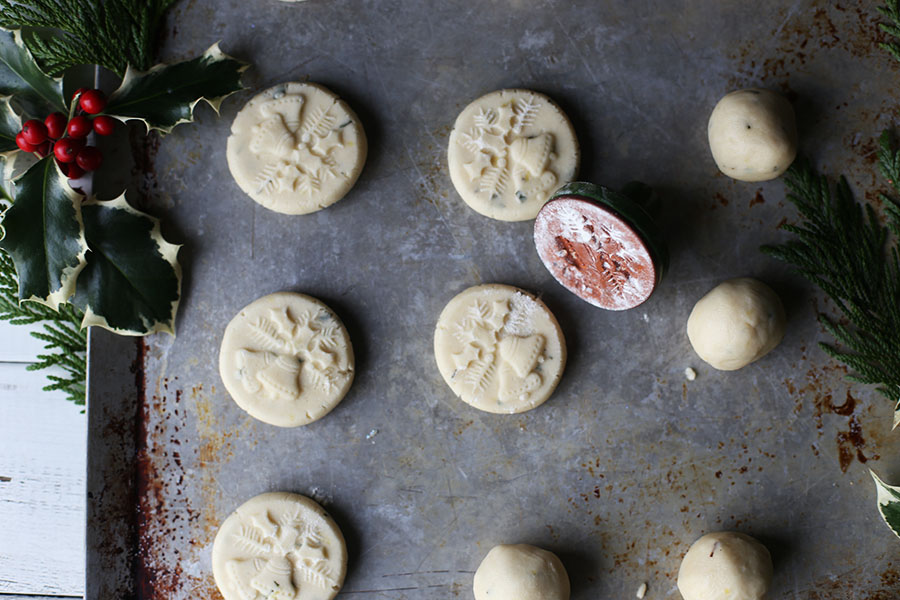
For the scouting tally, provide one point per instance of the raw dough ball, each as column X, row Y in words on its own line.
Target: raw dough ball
column 509, row 150
column 725, row 566
column 286, row 359
column 738, row 322
column 296, row 148
column 499, row 348
column 753, row 135
column 279, row 546
column 521, row 572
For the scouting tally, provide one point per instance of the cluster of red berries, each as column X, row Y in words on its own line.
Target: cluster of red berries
column 66, row 138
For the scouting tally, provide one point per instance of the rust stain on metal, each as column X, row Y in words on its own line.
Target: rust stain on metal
column 819, row 385
column 758, row 198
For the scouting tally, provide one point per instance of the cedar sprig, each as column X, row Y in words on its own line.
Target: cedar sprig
column 843, row 248
column 892, row 27
column 65, row 33
column 65, row 343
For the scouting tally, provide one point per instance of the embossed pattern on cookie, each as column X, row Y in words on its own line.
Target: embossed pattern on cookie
column 282, row 546
column 499, row 349
column 296, row 148
column 509, row 150
column 286, row 359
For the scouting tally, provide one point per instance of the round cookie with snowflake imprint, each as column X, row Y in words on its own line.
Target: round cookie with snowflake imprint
column 279, row 546
column 286, row 359
column 508, row 151
column 499, row 348
column 296, row 148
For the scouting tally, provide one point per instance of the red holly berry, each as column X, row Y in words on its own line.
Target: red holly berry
column 73, row 171
column 89, row 158
column 92, row 101
column 78, row 127
column 78, row 92
column 56, row 125
column 67, row 149
column 23, row 145
column 34, row 132
column 104, row 125
column 45, row 149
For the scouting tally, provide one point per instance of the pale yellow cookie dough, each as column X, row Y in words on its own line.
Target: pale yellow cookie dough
column 296, row 148
column 739, row 321
column 520, row 572
column 279, row 546
column 725, row 566
column 499, row 348
column 286, row 359
column 509, row 150
column 753, row 135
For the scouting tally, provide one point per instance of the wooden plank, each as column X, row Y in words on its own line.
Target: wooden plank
column 17, row 344
column 33, row 597
column 42, row 483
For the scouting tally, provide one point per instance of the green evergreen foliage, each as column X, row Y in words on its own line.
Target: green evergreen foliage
column 64, row 33
column 844, row 249
column 892, row 27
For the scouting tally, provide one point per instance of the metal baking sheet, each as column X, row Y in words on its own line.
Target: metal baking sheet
column 628, row 462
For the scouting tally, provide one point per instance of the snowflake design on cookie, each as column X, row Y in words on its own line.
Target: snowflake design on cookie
column 504, row 160
column 497, row 346
column 281, row 556
column 289, row 344
column 297, row 148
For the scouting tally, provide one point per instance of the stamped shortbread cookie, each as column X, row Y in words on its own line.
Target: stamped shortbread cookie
column 286, row 359
column 279, row 546
column 509, row 150
column 499, row 348
column 296, row 148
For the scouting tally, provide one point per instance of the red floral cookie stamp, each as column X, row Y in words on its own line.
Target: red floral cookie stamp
column 595, row 253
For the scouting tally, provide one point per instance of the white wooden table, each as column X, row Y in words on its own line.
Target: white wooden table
column 42, row 478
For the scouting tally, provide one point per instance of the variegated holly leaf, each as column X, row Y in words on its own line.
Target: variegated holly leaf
column 10, row 125
column 6, row 169
column 131, row 284
column 21, row 76
column 44, row 234
column 166, row 95
column 888, row 503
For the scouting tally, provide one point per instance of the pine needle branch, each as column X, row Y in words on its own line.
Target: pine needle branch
column 64, row 33
column 841, row 246
column 892, row 27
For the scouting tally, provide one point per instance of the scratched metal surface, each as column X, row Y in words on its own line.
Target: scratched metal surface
column 628, row 462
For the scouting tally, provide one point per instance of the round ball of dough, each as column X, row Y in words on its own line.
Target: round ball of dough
column 725, row 566
column 738, row 322
column 521, row 572
column 753, row 135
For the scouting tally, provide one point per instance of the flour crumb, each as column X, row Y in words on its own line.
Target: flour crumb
column 690, row 374
column 646, row 318
column 319, row 495
column 372, row 434
column 642, row 591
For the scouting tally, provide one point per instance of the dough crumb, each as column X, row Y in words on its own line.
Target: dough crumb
column 642, row 591
column 372, row 434
column 690, row 374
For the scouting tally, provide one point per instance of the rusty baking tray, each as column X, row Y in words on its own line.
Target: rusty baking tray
column 628, row 462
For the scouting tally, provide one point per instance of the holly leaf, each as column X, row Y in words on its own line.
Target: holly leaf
column 44, row 234
column 10, row 125
column 165, row 96
column 131, row 284
column 888, row 498
column 20, row 75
